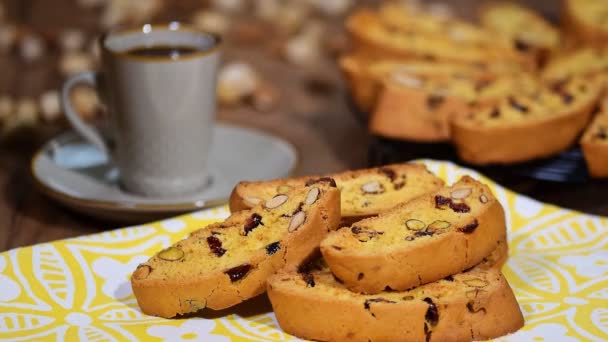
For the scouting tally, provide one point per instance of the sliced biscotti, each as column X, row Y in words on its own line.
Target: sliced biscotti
column 529, row 32
column 364, row 77
column 594, row 144
column 586, row 21
column 418, row 108
column 364, row 193
column 477, row 304
column 421, row 241
column 583, row 62
column 374, row 38
column 526, row 127
column 226, row 263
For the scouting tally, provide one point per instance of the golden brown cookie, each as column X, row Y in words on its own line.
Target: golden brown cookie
column 594, row 144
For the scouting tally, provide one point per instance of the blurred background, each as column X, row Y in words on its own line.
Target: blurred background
column 280, row 74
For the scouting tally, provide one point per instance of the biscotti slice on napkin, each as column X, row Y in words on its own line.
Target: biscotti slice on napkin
column 594, row 144
column 526, row 127
column 529, row 32
column 477, row 304
column 365, row 193
column 585, row 21
column 419, row 242
column 419, row 108
column 226, row 263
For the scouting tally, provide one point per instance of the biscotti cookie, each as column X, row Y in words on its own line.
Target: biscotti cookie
column 419, row 242
column 526, row 127
column 587, row 61
column 586, row 21
column 364, row 192
column 477, row 304
column 364, row 77
column 594, row 144
column 529, row 32
column 373, row 38
column 416, row 108
column 226, row 263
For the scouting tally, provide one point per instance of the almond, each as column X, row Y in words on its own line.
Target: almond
column 276, row 201
column 373, row 187
column 296, row 221
column 312, row 196
column 461, row 193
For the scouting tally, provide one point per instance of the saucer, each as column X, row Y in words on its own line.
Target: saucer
column 73, row 172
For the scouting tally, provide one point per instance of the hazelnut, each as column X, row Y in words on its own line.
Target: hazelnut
column 31, row 48
column 50, row 105
column 74, row 62
column 236, row 81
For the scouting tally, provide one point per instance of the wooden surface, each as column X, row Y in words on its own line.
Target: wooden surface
column 312, row 114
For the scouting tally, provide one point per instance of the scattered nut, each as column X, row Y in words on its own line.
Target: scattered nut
column 31, row 48
column 264, row 98
column 476, row 282
column 74, row 62
column 461, row 193
column 470, row 228
column 373, row 187
column 27, row 111
column 85, row 101
column 251, row 201
column 267, row 9
column 8, row 36
column 72, row 40
column 142, row 272
column 171, row 254
column 483, row 199
column 50, row 105
column 332, row 7
column 211, row 21
column 303, row 50
column 7, row 107
column 291, row 16
column 415, row 224
column 439, row 224
column 406, row 80
column 229, row 5
column 312, row 196
column 296, row 221
column 283, row 189
column 236, row 81
column 276, row 201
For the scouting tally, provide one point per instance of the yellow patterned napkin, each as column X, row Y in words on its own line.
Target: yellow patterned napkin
column 78, row 289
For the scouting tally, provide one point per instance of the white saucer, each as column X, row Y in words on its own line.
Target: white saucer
column 73, row 172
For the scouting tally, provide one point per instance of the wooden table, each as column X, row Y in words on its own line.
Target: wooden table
column 312, row 114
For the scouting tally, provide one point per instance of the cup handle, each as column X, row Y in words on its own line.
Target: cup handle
column 87, row 131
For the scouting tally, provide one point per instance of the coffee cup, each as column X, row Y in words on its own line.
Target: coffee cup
column 158, row 85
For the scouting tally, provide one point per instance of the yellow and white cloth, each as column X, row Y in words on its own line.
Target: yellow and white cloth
column 78, row 289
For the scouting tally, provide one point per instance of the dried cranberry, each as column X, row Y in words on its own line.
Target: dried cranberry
column 469, row 228
column 388, row 172
column 449, row 278
column 602, row 134
column 327, row 180
column 513, row 103
column 215, row 245
column 521, row 46
column 360, row 276
column 495, row 113
column 482, row 84
column 423, row 233
column 356, row 230
column 440, row 201
column 460, row 207
column 567, row 98
column 273, row 248
column 368, row 302
column 309, row 279
column 252, row 222
column 434, row 101
column 399, row 185
column 238, row 272
column 432, row 315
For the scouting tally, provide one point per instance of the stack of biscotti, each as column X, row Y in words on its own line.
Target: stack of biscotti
column 226, row 263
column 594, row 144
column 417, row 108
column 427, row 270
column 529, row 126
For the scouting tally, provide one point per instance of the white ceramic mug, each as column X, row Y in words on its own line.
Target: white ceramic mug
column 161, row 108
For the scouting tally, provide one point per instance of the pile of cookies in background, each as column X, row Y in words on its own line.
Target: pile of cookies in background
column 509, row 88
column 296, row 33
